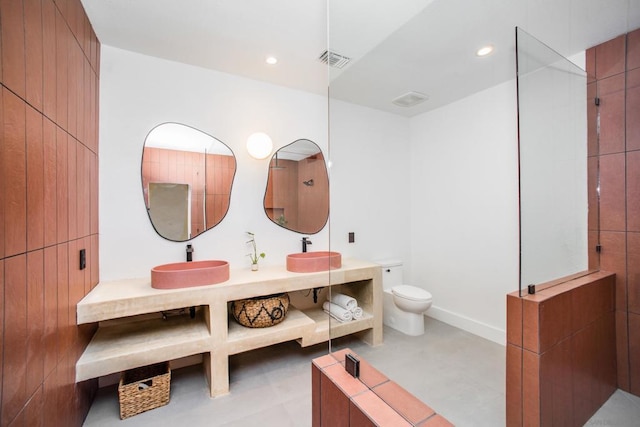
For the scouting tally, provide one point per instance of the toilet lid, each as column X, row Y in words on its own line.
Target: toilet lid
column 411, row 292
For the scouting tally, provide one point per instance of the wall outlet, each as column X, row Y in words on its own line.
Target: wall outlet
column 352, row 237
column 83, row 259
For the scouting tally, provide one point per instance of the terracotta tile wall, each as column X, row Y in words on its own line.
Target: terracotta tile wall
column 370, row 400
column 614, row 156
column 49, row 62
column 561, row 358
column 183, row 167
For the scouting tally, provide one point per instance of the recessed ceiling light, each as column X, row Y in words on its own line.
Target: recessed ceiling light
column 272, row 60
column 484, row 51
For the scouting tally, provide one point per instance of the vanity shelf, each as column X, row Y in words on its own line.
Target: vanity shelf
column 295, row 325
column 127, row 345
column 325, row 325
column 131, row 334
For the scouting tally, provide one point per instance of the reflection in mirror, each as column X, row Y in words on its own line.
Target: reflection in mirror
column 186, row 180
column 297, row 194
column 553, row 163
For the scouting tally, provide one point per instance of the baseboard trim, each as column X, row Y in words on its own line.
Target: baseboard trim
column 467, row 324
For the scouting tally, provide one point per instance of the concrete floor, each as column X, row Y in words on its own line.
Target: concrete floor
column 460, row 375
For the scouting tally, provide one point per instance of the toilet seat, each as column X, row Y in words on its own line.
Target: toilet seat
column 412, row 293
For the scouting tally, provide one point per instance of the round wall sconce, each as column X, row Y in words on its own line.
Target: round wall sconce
column 259, row 145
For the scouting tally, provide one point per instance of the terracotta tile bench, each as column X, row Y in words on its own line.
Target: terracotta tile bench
column 370, row 400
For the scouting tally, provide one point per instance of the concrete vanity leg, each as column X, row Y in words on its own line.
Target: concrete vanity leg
column 216, row 361
column 216, row 366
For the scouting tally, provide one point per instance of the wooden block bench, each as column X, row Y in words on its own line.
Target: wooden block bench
column 371, row 400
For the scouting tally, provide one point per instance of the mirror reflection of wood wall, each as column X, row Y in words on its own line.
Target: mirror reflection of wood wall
column 297, row 193
column 209, row 176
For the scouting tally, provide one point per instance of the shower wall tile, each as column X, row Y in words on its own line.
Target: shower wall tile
column 592, row 114
column 633, row 50
column 594, row 256
column 622, row 349
column 49, row 77
column 14, row 174
column 593, row 217
column 2, row 303
column 61, row 37
column 531, row 388
column 633, row 271
column 368, row 406
column 34, row 52
column 62, row 185
column 633, row 110
column 514, row 319
column 332, row 397
column 612, row 192
column 35, row 180
column 2, row 178
column 634, row 353
column 35, row 321
column 403, row 402
column 633, row 190
column 13, row 45
column 573, row 324
column 610, row 57
column 513, row 391
column 50, row 332
column 72, row 186
column 611, row 92
column 34, row 416
column 14, row 394
column 48, row 194
column 556, row 394
column 591, row 301
column 613, row 259
column 50, row 185
column 93, row 189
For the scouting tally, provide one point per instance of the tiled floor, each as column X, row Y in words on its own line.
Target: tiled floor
column 459, row 374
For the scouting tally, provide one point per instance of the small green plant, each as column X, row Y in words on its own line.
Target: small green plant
column 255, row 256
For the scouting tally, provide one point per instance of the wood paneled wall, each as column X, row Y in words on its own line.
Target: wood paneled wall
column 49, row 74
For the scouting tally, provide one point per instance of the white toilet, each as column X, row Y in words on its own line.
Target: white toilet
column 403, row 305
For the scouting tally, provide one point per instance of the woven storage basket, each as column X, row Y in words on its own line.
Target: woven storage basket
column 144, row 388
column 261, row 312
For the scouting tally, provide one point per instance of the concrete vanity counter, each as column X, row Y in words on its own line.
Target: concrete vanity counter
column 131, row 332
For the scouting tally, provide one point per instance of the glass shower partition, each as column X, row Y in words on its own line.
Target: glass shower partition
column 552, row 141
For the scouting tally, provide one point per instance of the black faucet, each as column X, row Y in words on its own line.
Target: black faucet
column 189, row 253
column 305, row 242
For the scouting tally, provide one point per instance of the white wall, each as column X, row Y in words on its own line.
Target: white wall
column 138, row 92
column 464, row 209
column 438, row 191
column 369, row 182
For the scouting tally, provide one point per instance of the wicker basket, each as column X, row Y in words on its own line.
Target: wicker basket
column 144, row 388
column 261, row 312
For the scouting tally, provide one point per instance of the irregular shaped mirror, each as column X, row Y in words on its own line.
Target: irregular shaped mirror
column 186, row 180
column 297, row 194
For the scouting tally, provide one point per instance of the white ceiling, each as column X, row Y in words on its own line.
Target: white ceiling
column 396, row 46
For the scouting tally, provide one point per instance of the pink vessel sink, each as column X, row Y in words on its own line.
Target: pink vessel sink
column 311, row 262
column 188, row 274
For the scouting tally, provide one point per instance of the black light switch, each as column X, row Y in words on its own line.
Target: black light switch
column 352, row 237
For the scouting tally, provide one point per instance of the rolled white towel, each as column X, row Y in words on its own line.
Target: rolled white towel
column 356, row 313
column 337, row 312
column 344, row 301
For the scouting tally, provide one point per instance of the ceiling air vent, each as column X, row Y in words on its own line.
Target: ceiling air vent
column 410, row 99
column 334, row 59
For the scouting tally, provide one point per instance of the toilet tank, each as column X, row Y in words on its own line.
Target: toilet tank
column 391, row 273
